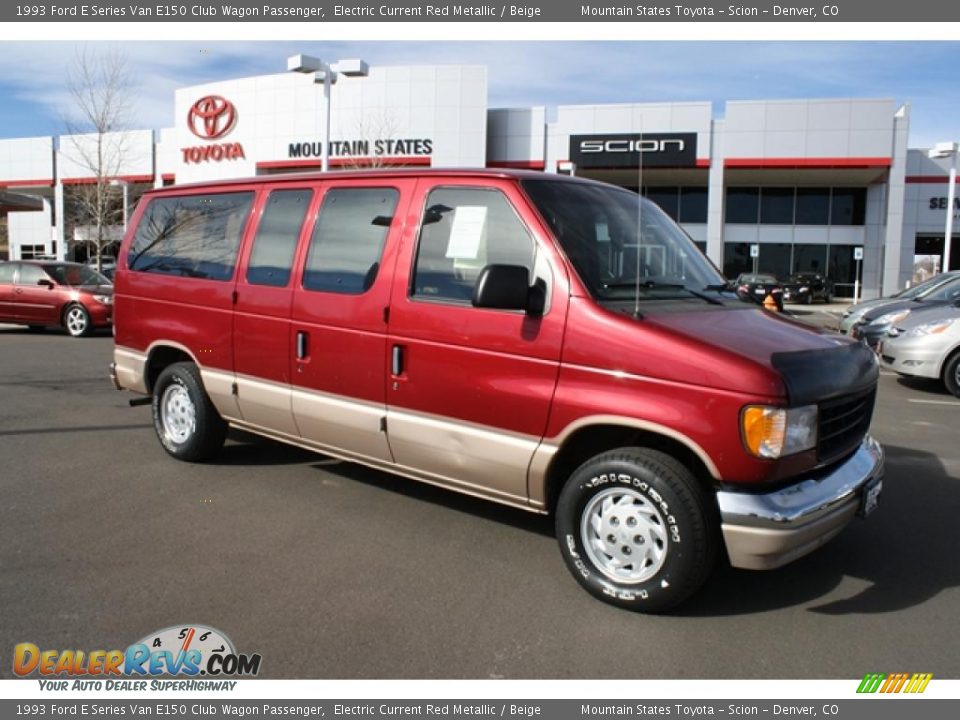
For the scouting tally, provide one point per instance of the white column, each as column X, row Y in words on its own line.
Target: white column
column 715, row 195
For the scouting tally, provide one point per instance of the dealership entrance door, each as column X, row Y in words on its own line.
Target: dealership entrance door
column 928, row 256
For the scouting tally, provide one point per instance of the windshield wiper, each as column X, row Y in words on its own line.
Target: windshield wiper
column 651, row 285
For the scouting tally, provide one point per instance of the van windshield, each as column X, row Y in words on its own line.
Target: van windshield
column 620, row 243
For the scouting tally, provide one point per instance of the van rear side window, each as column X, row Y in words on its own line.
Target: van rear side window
column 192, row 236
column 277, row 235
column 348, row 239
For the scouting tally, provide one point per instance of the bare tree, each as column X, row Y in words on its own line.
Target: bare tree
column 371, row 128
column 101, row 88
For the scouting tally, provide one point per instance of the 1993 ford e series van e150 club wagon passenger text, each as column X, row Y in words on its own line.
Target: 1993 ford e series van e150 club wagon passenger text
column 546, row 342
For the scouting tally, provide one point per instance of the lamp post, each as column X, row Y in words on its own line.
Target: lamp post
column 942, row 150
column 322, row 73
column 327, row 74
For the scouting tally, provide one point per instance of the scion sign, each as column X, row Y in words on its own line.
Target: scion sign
column 625, row 151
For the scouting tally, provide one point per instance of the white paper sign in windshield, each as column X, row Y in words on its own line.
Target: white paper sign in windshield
column 467, row 232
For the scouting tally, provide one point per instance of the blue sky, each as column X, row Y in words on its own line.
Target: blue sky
column 34, row 96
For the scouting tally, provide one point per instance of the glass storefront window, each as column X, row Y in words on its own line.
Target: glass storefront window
column 809, row 258
column 736, row 259
column 693, row 204
column 813, row 206
column 743, row 205
column 848, row 206
column 843, row 268
column 775, row 259
column 667, row 198
column 776, row 206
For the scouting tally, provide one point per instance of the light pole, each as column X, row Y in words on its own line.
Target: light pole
column 322, row 72
column 942, row 150
column 326, row 73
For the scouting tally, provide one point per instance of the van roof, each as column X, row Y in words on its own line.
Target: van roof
column 501, row 173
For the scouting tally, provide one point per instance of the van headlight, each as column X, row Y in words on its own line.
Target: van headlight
column 773, row 432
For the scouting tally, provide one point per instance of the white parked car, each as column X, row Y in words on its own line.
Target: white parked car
column 926, row 344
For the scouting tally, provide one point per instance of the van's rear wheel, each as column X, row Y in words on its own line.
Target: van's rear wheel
column 635, row 530
column 187, row 423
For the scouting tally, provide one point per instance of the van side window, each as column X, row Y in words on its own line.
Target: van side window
column 348, row 239
column 193, row 236
column 463, row 230
column 277, row 235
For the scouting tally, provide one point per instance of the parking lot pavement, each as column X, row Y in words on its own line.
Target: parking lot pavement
column 330, row 570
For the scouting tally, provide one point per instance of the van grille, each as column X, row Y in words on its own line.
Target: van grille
column 843, row 423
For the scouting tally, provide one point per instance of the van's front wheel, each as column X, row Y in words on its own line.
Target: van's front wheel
column 635, row 531
column 187, row 423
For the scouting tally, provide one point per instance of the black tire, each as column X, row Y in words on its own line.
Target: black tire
column 828, row 298
column 647, row 479
column 76, row 320
column 195, row 440
column 807, row 299
column 951, row 374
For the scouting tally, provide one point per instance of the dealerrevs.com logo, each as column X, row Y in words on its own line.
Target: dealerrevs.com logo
column 183, row 651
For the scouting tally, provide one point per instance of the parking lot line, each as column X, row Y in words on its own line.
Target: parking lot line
column 935, row 402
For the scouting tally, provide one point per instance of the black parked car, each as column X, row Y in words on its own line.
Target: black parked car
column 807, row 287
column 760, row 286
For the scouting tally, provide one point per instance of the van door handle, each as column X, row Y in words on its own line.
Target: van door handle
column 301, row 345
column 397, row 361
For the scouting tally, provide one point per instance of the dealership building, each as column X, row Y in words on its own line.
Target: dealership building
column 780, row 186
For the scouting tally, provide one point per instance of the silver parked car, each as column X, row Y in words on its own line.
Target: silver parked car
column 853, row 314
column 926, row 344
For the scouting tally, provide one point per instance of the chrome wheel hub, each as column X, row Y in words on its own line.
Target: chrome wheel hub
column 177, row 413
column 624, row 535
column 76, row 321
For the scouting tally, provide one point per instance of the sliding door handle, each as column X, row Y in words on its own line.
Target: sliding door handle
column 398, row 360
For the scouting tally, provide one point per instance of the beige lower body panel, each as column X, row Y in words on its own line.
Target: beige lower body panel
column 337, row 422
column 130, row 369
column 219, row 386
column 487, row 461
column 266, row 404
column 762, row 548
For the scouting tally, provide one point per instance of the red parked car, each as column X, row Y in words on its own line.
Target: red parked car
column 545, row 342
column 41, row 293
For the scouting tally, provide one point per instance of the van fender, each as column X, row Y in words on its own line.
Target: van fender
column 537, row 475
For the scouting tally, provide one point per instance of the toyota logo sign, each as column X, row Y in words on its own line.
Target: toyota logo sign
column 211, row 117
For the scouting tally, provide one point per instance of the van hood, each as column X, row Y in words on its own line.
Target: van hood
column 814, row 364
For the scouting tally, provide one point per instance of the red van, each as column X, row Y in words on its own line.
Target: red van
column 550, row 343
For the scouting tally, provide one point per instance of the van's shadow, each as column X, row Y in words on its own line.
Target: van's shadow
column 906, row 550
column 252, row 450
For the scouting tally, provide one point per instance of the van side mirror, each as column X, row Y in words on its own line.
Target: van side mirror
column 507, row 287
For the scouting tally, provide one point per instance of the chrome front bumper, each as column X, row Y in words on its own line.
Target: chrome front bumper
column 766, row 531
